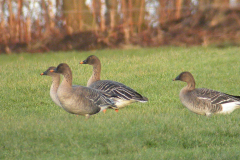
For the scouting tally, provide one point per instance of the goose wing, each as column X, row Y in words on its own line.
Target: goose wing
column 215, row 97
column 118, row 90
column 98, row 98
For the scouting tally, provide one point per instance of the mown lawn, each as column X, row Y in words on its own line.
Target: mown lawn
column 33, row 127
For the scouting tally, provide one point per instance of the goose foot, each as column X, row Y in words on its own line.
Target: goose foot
column 87, row 116
column 104, row 111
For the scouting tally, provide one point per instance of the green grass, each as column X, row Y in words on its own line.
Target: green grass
column 33, row 127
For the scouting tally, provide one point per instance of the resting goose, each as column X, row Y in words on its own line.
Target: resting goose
column 55, row 84
column 80, row 100
column 124, row 94
column 205, row 101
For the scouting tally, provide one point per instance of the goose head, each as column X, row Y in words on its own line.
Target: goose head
column 91, row 60
column 62, row 68
column 47, row 72
column 186, row 77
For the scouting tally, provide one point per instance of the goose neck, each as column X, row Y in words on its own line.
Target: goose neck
column 67, row 79
column 191, row 85
column 55, row 82
column 95, row 74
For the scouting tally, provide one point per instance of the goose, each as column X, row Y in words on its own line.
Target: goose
column 205, row 101
column 55, row 84
column 124, row 94
column 80, row 100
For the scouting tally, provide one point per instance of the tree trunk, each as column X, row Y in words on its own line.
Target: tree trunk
column 162, row 11
column 130, row 15
column 141, row 15
column 221, row 3
column 77, row 15
column 178, row 8
column 19, row 27
column 113, row 4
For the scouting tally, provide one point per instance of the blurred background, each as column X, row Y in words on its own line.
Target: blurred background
column 60, row 25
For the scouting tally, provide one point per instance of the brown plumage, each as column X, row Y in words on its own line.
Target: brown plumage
column 55, row 84
column 124, row 94
column 80, row 100
column 205, row 101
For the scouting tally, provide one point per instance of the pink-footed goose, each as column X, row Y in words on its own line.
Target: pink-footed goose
column 80, row 100
column 124, row 94
column 55, row 84
column 205, row 101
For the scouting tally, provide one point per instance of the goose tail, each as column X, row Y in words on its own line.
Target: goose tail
column 143, row 100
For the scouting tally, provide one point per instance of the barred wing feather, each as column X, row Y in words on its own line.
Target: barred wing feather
column 98, row 98
column 118, row 90
column 216, row 97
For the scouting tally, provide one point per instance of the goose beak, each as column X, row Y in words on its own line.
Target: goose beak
column 177, row 78
column 43, row 73
column 83, row 62
column 52, row 70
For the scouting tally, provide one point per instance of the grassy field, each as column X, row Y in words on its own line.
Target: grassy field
column 33, row 127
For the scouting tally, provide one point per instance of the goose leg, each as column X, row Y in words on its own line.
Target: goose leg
column 208, row 114
column 87, row 116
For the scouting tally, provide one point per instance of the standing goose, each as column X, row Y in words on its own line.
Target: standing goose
column 124, row 94
column 55, row 84
column 80, row 100
column 205, row 101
